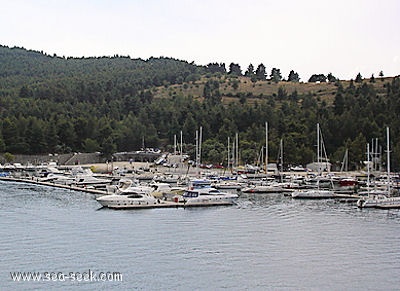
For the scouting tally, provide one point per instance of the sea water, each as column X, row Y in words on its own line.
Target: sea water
column 265, row 242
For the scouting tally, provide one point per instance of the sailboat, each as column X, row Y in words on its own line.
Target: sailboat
column 383, row 199
column 315, row 193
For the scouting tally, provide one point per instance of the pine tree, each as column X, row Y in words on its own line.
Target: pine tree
column 359, row 78
column 250, row 71
column 235, row 70
column 276, row 75
column 260, row 72
column 293, row 77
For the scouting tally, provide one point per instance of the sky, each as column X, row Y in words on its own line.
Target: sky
column 342, row 37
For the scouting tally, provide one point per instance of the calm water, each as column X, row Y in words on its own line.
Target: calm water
column 267, row 242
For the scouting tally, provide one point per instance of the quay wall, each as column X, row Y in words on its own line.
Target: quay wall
column 79, row 158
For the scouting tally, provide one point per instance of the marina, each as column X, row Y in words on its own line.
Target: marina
column 198, row 184
column 347, row 187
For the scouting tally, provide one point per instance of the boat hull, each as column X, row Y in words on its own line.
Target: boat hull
column 313, row 194
column 382, row 202
column 117, row 201
column 208, row 202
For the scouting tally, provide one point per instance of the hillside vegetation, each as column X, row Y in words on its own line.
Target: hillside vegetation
column 52, row 104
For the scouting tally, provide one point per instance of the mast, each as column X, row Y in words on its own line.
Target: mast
column 197, row 152
column 345, row 162
column 281, row 146
column 233, row 155
column 174, row 144
column 266, row 148
column 318, row 150
column 237, row 150
column 228, row 154
column 373, row 153
column 377, row 156
column 388, row 159
column 200, row 141
column 181, row 149
column 368, row 171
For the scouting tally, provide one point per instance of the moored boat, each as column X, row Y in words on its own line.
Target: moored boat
column 207, row 197
column 128, row 199
column 313, row 194
column 383, row 200
column 319, row 192
column 379, row 201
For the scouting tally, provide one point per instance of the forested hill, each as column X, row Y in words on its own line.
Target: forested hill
column 52, row 104
column 22, row 67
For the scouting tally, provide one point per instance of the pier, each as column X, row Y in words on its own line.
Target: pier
column 160, row 202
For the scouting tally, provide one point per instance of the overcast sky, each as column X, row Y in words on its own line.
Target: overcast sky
column 308, row 36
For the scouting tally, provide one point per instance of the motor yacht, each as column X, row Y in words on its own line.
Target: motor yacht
column 379, row 201
column 128, row 197
column 207, row 197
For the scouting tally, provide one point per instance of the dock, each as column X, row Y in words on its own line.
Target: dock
column 70, row 187
column 161, row 203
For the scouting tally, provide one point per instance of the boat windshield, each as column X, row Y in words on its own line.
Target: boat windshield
column 134, row 195
column 190, row 194
column 213, row 192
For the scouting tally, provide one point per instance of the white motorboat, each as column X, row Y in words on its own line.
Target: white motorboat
column 207, row 197
column 85, row 178
column 58, row 179
column 313, row 194
column 91, row 181
column 167, row 178
column 379, row 201
column 274, row 187
column 129, row 197
column 228, row 185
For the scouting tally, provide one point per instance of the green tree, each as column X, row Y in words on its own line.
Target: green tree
column 213, row 151
column 235, row 84
column 189, row 127
column 36, row 137
column 9, row 157
column 211, row 92
column 331, row 78
column 51, row 136
column 235, row 70
column 10, row 134
column 372, row 79
column 250, row 71
column 317, row 78
column 91, row 145
column 293, row 77
column 25, row 92
column 276, row 75
column 358, row 149
column 108, row 147
column 359, row 78
column 66, row 134
column 260, row 72
column 338, row 103
column 2, row 144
